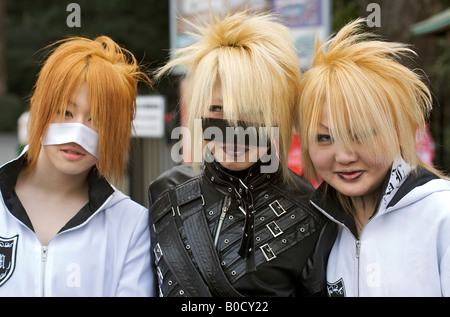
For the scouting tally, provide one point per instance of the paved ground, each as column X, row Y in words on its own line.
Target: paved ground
column 8, row 146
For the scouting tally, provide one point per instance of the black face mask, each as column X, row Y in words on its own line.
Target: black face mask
column 245, row 133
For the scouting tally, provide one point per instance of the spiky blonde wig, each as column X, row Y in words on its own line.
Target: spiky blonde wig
column 256, row 63
column 111, row 75
column 370, row 97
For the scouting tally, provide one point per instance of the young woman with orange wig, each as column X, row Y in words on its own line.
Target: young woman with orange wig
column 65, row 230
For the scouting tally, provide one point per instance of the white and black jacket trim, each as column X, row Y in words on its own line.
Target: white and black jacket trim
column 102, row 251
column 404, row 249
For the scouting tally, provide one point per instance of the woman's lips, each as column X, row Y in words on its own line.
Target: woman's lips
column 72, row 153
column 350, row 175
column 233, row 150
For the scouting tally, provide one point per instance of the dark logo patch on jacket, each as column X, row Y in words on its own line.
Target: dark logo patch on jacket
column 336, row 289
column 8, row 248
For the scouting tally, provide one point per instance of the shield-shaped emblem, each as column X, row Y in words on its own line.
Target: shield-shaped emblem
column 8, row 248
column 336, row 289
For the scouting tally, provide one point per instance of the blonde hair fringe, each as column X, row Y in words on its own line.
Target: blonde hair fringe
column 370, row 96
column 254, row 58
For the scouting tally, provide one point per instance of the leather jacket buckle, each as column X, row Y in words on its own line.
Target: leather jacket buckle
column 178, row 209
column 267, row 252
column 278, row 209
column 274, row 228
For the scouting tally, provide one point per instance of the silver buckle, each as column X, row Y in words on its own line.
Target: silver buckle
column 178, row 209
column 274, row 228
column 278, row 209
column 267, row 252
column 158, row 252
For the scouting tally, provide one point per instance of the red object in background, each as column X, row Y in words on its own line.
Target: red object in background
column 425, row 149
column 425, row 146
column 295, row 158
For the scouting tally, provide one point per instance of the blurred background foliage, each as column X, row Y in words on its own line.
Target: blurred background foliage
column 141, row 26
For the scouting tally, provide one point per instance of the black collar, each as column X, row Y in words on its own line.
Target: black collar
column 325, row 197
column 231, row 185
column 99, row 191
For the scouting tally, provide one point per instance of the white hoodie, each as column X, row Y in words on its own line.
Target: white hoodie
column 103, row 251
column 404, row 249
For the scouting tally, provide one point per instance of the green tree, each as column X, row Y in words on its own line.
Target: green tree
column 141, row 26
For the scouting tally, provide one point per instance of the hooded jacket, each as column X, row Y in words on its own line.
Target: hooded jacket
column 404, row 249
column 102, row 251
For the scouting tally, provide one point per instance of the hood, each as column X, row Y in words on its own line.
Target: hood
column 420, row 184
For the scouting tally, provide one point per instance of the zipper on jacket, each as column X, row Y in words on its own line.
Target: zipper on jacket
column 44, row 261
column 225, row 207
column 357, row 253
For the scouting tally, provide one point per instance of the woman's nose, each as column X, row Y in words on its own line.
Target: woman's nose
column 344, row 155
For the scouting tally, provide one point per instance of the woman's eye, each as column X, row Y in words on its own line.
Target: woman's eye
column 216, row 108
column 69, row 114
column 324, row 138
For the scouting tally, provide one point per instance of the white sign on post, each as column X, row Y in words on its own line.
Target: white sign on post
column 149, row 121
column 306, row 19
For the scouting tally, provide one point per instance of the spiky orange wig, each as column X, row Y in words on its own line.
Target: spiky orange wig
column 111, row 75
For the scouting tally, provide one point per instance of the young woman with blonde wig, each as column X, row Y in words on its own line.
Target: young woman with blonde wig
column 65, row 230
column 359, row 113
column 237, row 222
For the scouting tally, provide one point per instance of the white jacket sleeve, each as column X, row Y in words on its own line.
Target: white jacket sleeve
column 137, row 278
column 445, row 273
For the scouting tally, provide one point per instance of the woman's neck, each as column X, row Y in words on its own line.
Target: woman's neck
column 364, row 207
column 242, row 174
column 47, row 178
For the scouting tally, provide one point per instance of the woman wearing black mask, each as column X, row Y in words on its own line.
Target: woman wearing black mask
column 237, row 221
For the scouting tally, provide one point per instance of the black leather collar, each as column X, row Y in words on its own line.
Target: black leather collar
column 230, row 185
column 99, row 191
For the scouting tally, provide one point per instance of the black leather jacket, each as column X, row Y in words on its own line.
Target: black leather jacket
column 262, row 236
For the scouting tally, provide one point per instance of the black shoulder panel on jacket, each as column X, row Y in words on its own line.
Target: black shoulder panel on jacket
column 301, row 190
column 170, row 178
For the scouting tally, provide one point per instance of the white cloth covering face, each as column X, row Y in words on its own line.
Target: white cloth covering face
column 62, row 133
